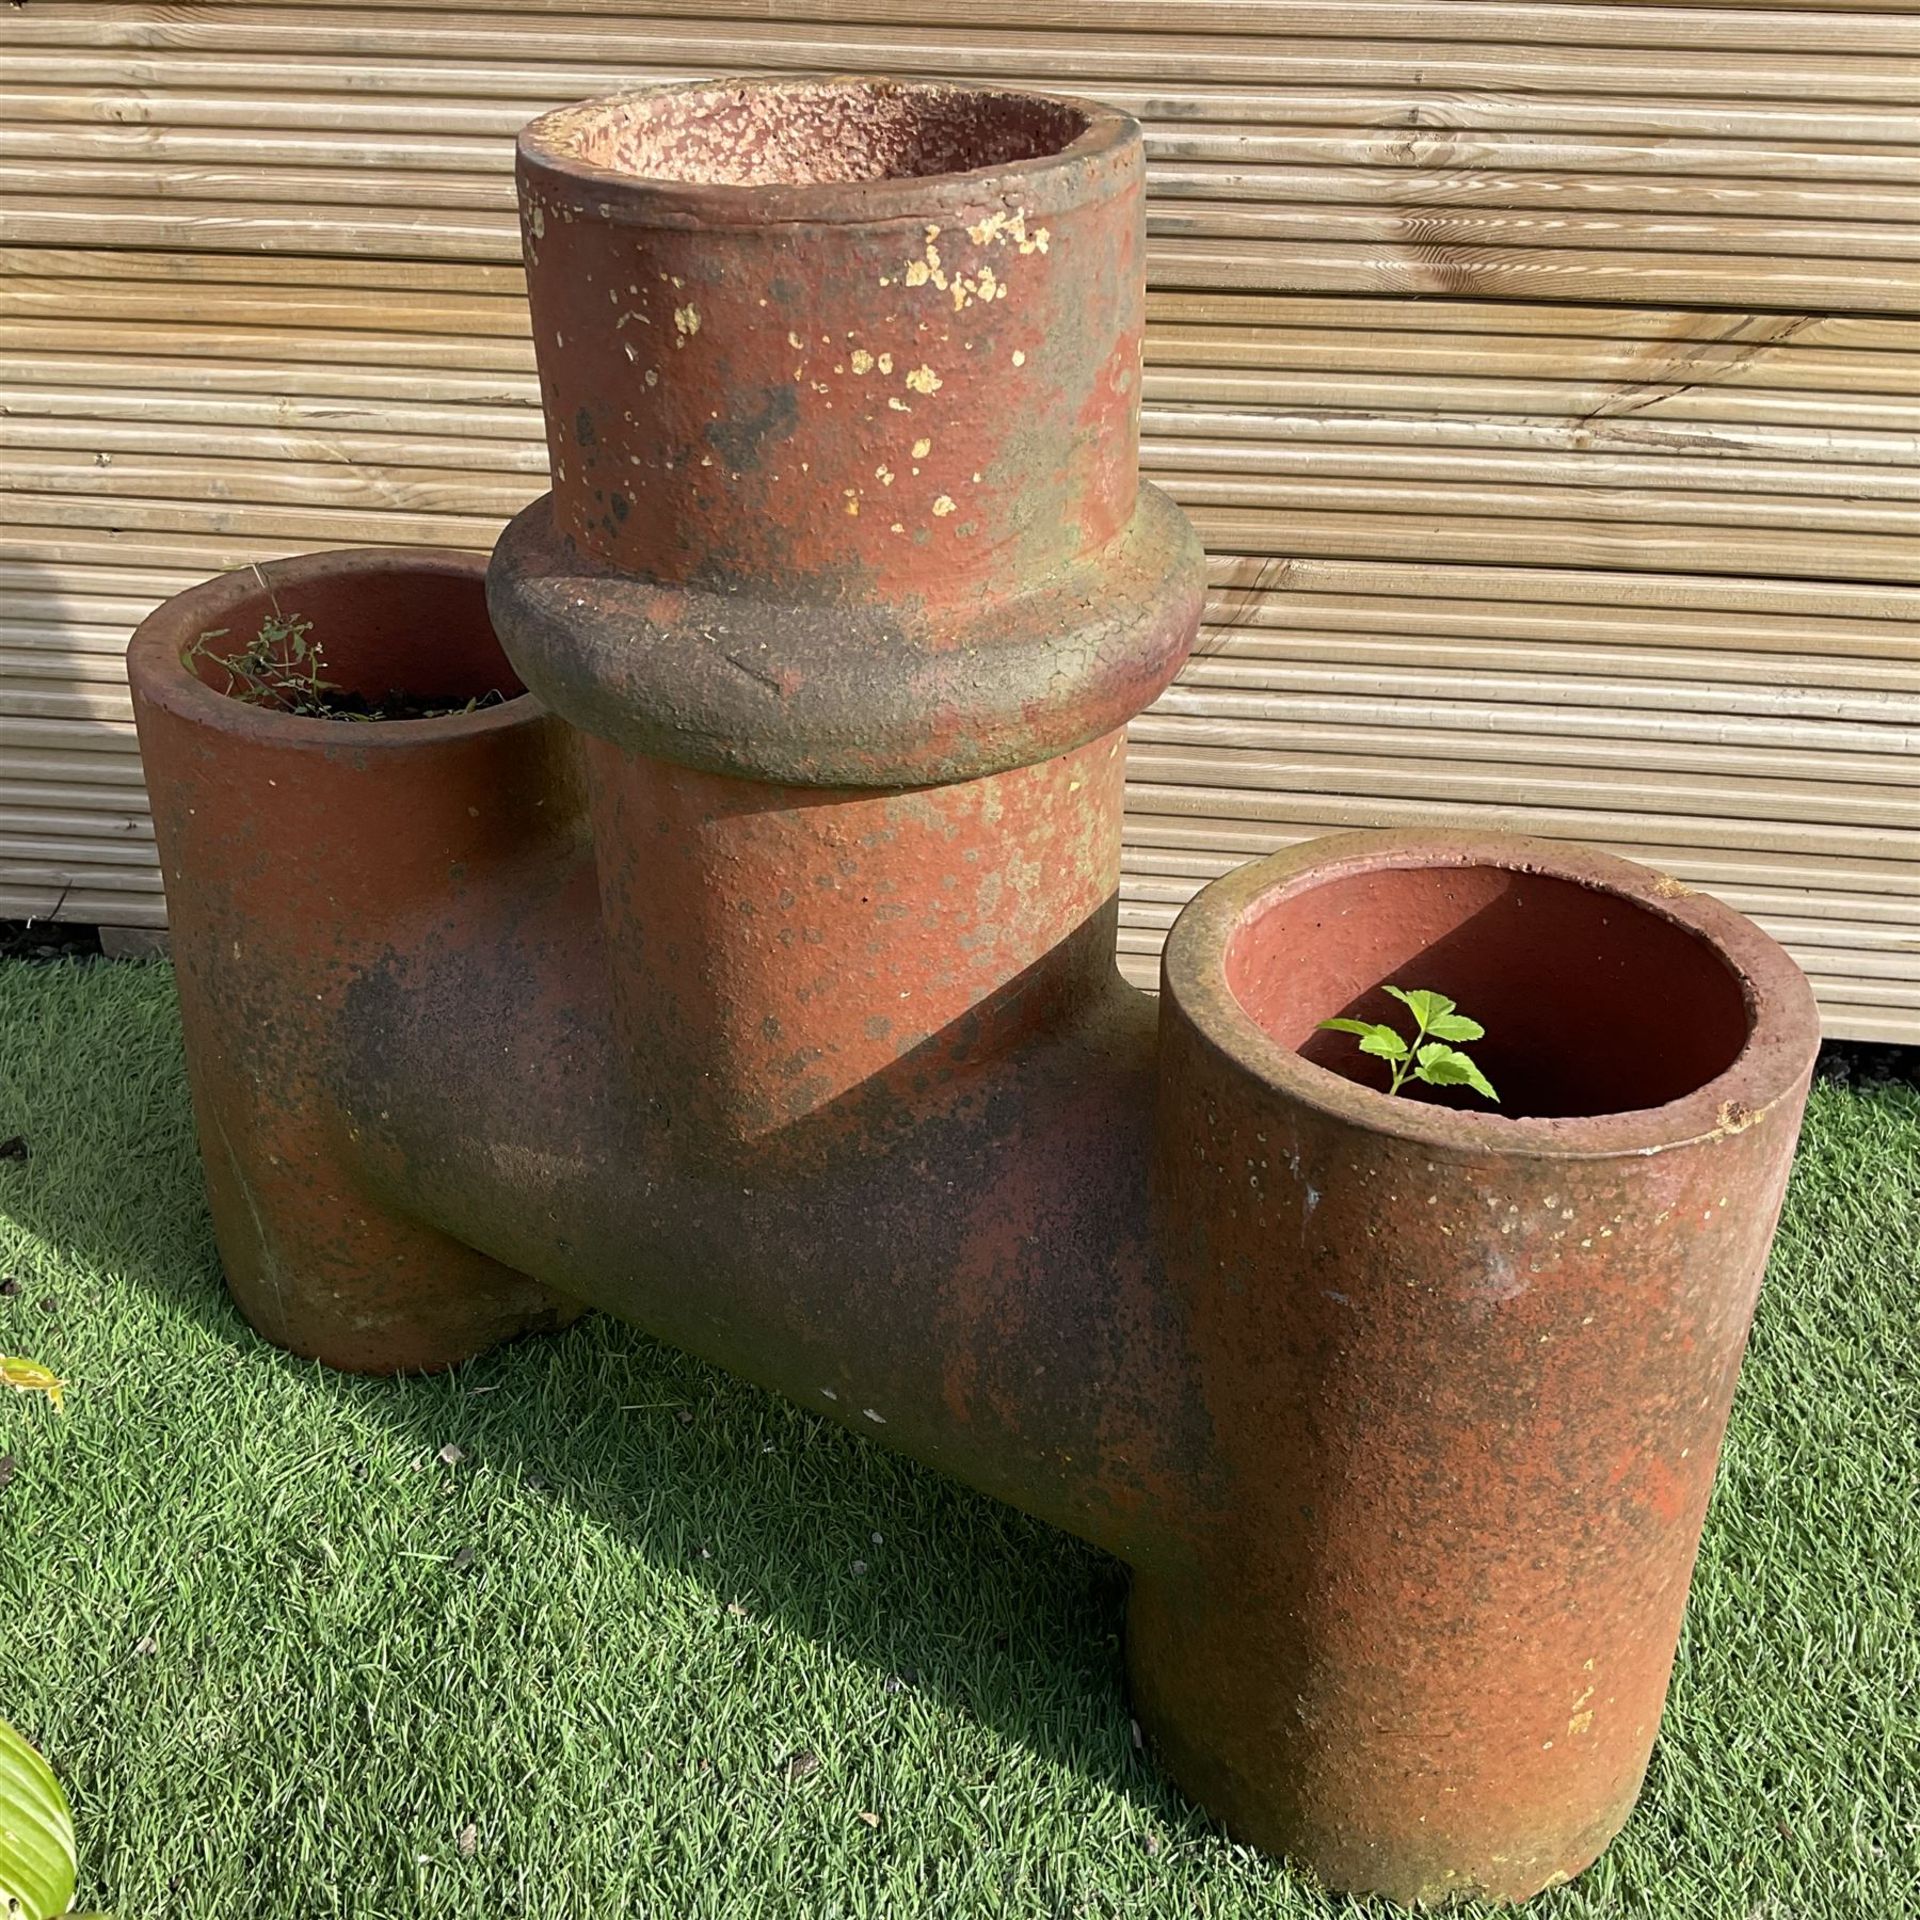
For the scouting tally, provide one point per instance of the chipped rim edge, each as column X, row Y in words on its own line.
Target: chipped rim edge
column 1783, row 1019
column 159, row 674
column 1110, row 145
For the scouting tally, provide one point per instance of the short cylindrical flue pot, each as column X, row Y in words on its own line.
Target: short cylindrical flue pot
column 298, row 851
column 842, row 389
column 847, row 575
column 1467, row 1370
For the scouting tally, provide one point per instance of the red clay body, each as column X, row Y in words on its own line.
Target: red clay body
column 1466, row 1373
column 751, row 978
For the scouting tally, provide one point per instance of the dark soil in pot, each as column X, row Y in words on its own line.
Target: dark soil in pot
column 420, row 648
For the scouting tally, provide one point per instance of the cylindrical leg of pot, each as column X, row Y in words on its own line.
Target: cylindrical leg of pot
column 1468, row 1369
column 301, row 854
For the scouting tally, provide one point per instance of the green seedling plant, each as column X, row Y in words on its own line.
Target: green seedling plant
column 279, row 667
column 1430, row 1055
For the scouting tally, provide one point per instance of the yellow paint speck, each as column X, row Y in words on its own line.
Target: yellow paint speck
column 921, row 448
column 884, row 475
column 942, row 507
column 1019, row 358
column 896, row 528
column 686, row 319
column 861, row 360
column 923, row 379
column 794, row 341
column 897, row 404
column 885, row 363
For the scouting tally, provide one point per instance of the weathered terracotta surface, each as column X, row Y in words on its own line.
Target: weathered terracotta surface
column 296, row 852
column 1466, row 1370
column 752, row 978
column 845, row 464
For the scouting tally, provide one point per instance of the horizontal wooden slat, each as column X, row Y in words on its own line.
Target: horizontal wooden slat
column 1508, row 259
column 1785, row 26
column 91, row 903
column 1398, row 124
column 20, row 798
column 1802, row 64
column 1733, row 174
column 1849, row 218
column 25, row 827
column 1601, row 825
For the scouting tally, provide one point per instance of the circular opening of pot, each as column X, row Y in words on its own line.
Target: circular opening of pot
column 1592, row 1002
column 358, row 643
column 813, row 133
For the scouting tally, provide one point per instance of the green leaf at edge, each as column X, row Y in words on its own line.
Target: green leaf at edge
column 1456, row 1026
column 38, row 1864
column 1345, row 1026
column 1441, row 1066
column 1385, row 1044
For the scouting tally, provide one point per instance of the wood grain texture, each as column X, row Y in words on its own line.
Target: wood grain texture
column 1544, row 378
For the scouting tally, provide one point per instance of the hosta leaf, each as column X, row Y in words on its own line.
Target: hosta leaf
column 1456, row 1026
column 1425, row 1007
column 1384, row 1042
column 37, row 1860
column 1441, row 1066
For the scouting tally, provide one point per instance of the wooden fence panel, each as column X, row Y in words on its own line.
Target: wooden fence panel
column 1545, row 379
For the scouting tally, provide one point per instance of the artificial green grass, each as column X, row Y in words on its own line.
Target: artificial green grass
column 651, row 1644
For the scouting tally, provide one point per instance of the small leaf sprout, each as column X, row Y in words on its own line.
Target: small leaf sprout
column 1429, row 1056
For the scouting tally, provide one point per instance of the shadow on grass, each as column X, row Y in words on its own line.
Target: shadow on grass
column 938, row 1590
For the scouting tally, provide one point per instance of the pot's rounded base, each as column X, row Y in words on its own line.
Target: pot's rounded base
column 379, row 1296
column 1298, row 1759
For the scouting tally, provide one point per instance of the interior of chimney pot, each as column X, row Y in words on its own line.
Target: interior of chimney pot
column 809, row 135
column 1592, row 1003
column 405, row 633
